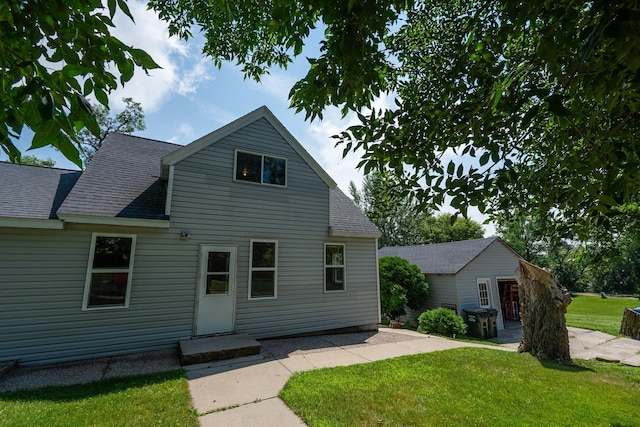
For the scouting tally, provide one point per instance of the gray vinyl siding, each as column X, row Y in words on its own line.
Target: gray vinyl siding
column 218, row 210
column 442, row 289
column 42, row 287
column 44, row 271
column 495, row 261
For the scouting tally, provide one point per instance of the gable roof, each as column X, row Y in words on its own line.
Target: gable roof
column 31, row 195
column 443, row 258
column 123, row 185
column 347, row 219
column 215, row 136
column 121, row 181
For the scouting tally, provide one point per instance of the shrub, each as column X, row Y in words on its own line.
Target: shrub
column 441, row 321
column 401, row 284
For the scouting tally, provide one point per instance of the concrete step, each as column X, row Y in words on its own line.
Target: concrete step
column 209, row 349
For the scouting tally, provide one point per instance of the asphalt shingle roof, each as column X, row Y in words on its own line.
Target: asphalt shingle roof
column 346, row 217
column 441, row 258
column 122, row 180
column 33, row 192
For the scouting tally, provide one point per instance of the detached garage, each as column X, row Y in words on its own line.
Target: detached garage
column 466, row 274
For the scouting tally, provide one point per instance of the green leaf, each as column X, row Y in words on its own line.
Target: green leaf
column 45, row 135
column 143, row 59
column 125, row 8
column 529, row 115
column 484, row 159
column 101, row 96
column 112, row 7
column 68, row 148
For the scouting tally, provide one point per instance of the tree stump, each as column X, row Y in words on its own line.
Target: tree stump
column 630, row 326
column 543, row 304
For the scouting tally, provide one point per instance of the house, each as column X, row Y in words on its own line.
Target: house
column 467, row 274
column 239, row 231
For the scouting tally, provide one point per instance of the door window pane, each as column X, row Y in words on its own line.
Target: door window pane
column 218, row 262
column 217, row 284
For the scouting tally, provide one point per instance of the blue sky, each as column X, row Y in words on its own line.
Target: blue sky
column 189, row 97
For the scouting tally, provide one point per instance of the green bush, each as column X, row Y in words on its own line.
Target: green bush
column 401, row 285
column 441, row 321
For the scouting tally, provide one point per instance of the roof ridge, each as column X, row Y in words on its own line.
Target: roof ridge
column 41, row 166
column 145, row 138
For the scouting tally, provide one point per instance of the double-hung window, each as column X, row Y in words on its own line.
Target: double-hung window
column 263, row 269
column 260, row 168
column 483, row 291
column 334, row 267
column 108, row 282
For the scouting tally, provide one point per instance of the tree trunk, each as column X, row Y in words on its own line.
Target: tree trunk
column 630, row 325
column 543, row 304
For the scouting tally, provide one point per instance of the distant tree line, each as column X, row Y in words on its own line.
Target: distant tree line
column 402, row 220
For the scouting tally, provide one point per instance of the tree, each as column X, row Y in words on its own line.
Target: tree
column 394, row 213
column 129, row 120
column 352, row 67
column 524, row 234
column 440, row 229
column 401, row 283
column 56, row 54
column 543, row 304
column 537, row 101
column 615, row 264
column 33, row 160
column 565, row 257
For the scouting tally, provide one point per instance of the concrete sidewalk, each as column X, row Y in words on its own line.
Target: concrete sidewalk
column 245, row 392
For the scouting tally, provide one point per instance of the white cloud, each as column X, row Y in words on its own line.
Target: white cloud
column 184, row 136
column 182, row 68
column 191, row 78
column 277, row 84
column 342, row 169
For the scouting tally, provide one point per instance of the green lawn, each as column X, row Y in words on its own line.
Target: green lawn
column 467, row 386
column 596, row 313
column 149, row 400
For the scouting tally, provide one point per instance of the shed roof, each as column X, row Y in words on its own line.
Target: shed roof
column 347, row 219
column 122, row 180
column 33, row 192
column 443, row 258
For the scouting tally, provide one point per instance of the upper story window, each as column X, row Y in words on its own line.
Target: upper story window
column 260, row 168
column 108, row 282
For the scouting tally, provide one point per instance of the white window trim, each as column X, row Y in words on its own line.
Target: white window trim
column 129, row 271
column 252, row 269
column 235, row 169
column 487, row 281
column 343, row 265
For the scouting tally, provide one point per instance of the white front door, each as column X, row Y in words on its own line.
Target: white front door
column 216, row 290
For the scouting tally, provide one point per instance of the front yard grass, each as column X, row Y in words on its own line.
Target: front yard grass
column 466, row 386
column 161, row 399
column 597, row 313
